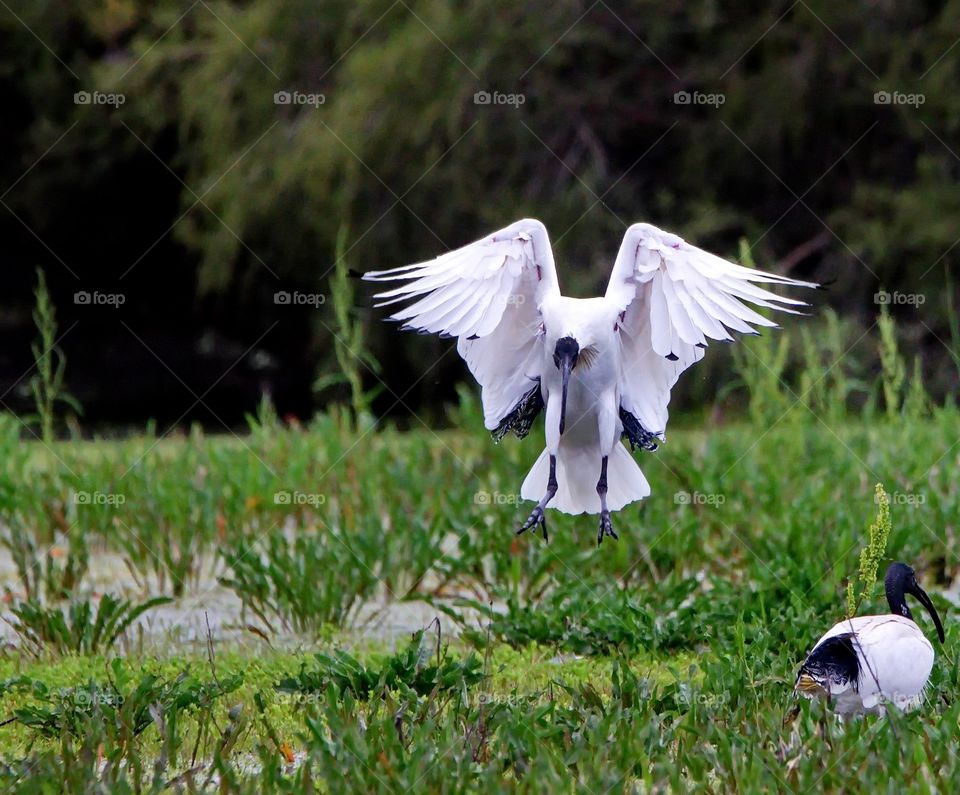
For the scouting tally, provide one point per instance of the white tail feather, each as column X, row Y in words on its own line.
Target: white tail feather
column 577, row 493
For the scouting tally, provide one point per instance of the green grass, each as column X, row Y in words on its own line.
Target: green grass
column 708, row 604
column 663, row 661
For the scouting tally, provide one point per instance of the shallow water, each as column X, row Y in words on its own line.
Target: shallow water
column 207, row 603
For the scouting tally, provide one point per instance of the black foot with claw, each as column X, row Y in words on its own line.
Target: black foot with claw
column 606, row 527
column 537, row 517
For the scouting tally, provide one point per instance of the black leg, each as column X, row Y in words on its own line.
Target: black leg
column 537, row 516
column 606, row 525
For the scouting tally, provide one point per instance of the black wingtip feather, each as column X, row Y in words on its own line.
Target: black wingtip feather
column 835, row 660
column 520, row 418
column 636, row 434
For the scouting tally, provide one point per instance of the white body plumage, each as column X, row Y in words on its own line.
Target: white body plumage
column 864, row 663
column 895, row 660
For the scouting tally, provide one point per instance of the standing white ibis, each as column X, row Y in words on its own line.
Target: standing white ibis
column 601, row 367
column 867, row 661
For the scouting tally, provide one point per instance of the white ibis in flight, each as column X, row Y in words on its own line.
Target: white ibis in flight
column 867, row 661
column 601, row 368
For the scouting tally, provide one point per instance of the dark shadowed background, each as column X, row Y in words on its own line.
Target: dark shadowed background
column 174, row 166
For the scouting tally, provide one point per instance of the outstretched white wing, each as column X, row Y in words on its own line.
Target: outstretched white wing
column 486, row 294
column 673, row 298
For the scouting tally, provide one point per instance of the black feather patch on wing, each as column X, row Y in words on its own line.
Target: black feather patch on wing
column 521, row 417
column 833, row 661
column 636, row 434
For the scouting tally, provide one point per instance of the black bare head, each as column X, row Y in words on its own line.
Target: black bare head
column 902, row 580
column 567, row 350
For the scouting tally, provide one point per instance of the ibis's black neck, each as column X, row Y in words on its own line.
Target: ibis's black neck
column 897, row 584
column 901, row 580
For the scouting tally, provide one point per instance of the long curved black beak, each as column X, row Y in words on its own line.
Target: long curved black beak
column 922, row 597
column 566, row 367
column 565, row 357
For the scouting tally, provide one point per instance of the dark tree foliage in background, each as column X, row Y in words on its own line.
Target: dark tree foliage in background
column 202, row 196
